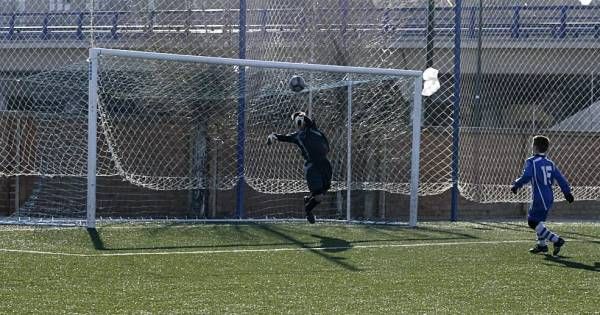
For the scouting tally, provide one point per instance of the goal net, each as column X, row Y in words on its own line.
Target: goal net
column 175, row 122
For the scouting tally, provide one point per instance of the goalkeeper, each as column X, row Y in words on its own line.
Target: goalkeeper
column 314, row 146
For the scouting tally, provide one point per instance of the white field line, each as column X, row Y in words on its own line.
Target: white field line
column 228, row 223
column 263, row 250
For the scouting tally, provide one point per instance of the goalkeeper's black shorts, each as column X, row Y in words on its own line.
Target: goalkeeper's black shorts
column 318, row 176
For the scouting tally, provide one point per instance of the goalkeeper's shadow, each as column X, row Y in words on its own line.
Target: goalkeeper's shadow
column 326, row 247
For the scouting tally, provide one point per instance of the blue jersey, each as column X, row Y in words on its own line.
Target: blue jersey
column 542, row 173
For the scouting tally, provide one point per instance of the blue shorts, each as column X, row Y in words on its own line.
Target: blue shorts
column 537, row 212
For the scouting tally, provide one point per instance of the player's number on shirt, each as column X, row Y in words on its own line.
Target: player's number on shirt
column 547, row 170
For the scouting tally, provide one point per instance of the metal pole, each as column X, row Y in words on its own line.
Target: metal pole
column 349, row 154
column 214, row 180
column 477, row 104
column 313, row 35
column 241, row 113
column 456, row 111
column 430, row 40
column 256, row 63
column 310, row 101
column 17, row 178
column 92, row 35
column 92, row 134
column 415, row 152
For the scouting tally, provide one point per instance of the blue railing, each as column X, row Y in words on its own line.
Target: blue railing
column 516, row 22
column 535, row 21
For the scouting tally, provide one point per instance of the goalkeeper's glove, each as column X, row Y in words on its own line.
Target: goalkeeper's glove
column 514, row 189
column 271, row 138
column 569, row 197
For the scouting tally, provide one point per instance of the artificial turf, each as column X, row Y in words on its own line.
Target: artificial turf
column 465, row 268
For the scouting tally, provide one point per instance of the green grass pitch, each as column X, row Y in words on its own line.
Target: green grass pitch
column 467, row 268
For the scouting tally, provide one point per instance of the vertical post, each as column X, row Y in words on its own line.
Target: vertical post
column 386, row 20
column 115, row 26
column 45, row 27
column 345, row 7
column 188, row 19
column 349, row 153
column 562, row 31
column 456, row 111
column 310, row 101
column 477, row 103
column 18, row 195
column 79, row 32
column 11, row 26
column 214, row 164
column 516, row 22
column 241, row 113
column 92, row 35
column 430, row 37
column 18, row 178
column 92, row 134
column 151, row 13
column 415, row 151
column 263, row 21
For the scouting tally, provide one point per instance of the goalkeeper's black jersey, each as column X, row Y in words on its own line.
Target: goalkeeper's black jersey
column 313, row 143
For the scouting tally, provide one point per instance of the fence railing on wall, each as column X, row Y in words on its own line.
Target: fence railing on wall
column 517, row 22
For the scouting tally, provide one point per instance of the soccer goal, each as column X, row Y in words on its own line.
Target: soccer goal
column 167, row 123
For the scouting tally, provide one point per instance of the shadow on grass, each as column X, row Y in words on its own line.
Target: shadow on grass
column 574, row 235
column 333, row 245
column 505, row 226
column 336, row 245
column 582, row 236
column 96, row 239
column 450, row 234
column 560, row 260
column 245, row 239
column 326, row 246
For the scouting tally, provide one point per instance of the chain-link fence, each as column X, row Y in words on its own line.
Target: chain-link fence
column 525, row 68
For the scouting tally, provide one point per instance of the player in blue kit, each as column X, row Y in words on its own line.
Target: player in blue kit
column 542, row 172
column 314, row 147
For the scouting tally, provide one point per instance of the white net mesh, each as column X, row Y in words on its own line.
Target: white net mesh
column 163, row 122
column 538, row 74
column 381, row 108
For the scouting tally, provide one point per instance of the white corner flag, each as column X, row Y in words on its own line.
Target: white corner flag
column 431, row 83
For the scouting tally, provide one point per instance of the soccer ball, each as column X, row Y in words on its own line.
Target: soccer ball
column 297, row 83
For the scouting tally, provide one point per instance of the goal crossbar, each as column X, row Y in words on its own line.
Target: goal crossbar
column 96, row 52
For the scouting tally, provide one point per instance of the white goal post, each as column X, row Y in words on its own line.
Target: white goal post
column 351, row 78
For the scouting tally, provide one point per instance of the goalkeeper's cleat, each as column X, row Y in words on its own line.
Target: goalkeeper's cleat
column 558, row 245
column 310, row 204
column 538, row 249
column 310, row 217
